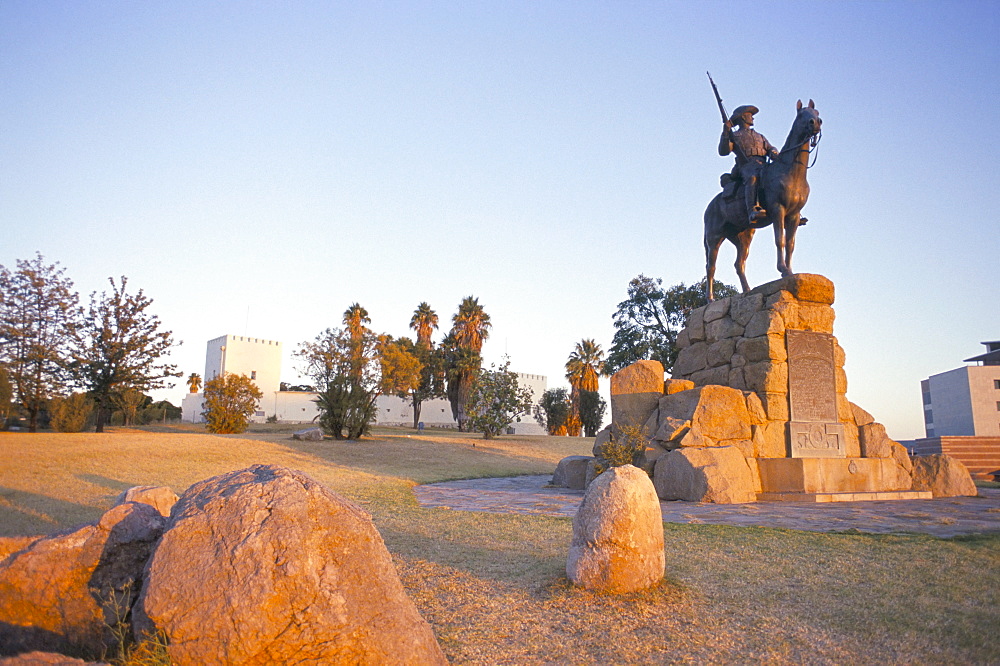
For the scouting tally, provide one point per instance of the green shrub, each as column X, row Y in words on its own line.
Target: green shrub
column 624, row 445
column 70, row 414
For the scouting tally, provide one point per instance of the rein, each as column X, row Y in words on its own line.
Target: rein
column 813, row 147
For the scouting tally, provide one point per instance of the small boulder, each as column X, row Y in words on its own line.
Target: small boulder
column 618, row 534
column 160, row 498
column 58, row 593
column 943, row 475
column 308, row 435
column 571, row 472
column 266, row 566
column 717, row 474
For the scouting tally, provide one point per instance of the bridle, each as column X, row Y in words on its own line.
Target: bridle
column 811, row 146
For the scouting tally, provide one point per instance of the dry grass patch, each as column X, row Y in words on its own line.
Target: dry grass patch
column 493, row 585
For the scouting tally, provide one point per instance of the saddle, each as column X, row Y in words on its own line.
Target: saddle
column 731, row 188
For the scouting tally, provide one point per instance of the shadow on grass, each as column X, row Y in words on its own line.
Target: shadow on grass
column 423, row 461
column 111, row 484
column 29, row 514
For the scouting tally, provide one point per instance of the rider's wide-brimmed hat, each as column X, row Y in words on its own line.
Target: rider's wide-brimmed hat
column 740, row 110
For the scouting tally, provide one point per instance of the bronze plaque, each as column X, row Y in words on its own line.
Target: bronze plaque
column 812, row 387
column 814, row 430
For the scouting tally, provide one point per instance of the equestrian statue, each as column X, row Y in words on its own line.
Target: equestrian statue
column 766, row 187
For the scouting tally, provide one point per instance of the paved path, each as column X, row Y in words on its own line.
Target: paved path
column 944, row 517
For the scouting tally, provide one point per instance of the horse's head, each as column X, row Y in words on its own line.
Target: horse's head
column 807, row 121
column 806, row 128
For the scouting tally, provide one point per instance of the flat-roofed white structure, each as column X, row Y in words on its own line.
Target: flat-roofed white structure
column 257, row 358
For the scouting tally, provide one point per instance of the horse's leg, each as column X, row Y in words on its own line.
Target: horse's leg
column 777, row 215
column 713, row 237
column 792, row 225
column 742, row 243
column 712, row 245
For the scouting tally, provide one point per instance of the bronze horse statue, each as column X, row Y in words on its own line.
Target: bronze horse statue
column 784, row 192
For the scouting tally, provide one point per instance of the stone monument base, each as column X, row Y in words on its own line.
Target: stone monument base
column 844, row 497
column 831, row 475
column 757, row 410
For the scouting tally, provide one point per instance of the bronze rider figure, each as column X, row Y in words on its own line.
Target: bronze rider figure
column 752, row 149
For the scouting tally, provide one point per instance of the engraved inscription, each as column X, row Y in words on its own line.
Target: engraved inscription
column 817, row 440
column 812, row 391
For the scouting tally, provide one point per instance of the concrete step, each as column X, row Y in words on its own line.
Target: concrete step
column 845, row 497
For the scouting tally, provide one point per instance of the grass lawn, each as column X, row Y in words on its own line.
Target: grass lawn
column 493, row 586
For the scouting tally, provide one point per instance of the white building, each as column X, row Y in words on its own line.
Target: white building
column 965, row 401
column 260, row 360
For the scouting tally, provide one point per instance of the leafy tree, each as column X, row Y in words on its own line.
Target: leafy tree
column 70, row 414
column 194, row 382
column 552, row 410
column 304, row 388
column 650, row 319
column 592, row 410
column 128, row 402
column 345, row 367
column 496, row 400
column 6, row 393
column 158, row 412
column 461, row 349
column 400, row 367
column 38, row 321
column 230, row 401
column 121, row 348
column 582, row 370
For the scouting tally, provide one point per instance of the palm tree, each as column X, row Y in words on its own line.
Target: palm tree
column 424, row 322
column 585, row 364
column 194, row 382
column 355, row 318
column 471, row 325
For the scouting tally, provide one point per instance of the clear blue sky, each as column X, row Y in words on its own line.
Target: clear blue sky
column 258, row 167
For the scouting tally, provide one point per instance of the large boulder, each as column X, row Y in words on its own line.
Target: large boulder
column 266, row 566
column 11, row 545
column 943, row 475
column 60, row 592
column 717, row 412
column 635, row 393
column 571, row 472
column 617, row 534
column 718, row 474
column 46, row 659
column 160, row 498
